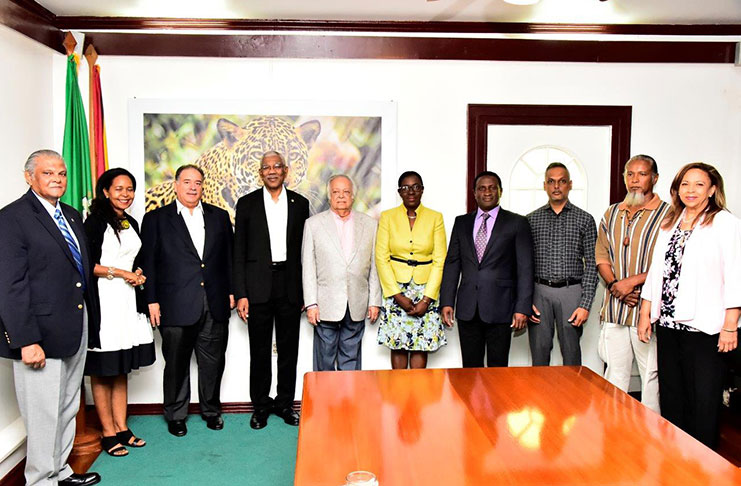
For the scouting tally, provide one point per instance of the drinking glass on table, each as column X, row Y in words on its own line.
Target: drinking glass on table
column 361, row 478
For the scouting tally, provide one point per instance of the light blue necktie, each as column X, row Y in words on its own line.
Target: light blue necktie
column 70, row 241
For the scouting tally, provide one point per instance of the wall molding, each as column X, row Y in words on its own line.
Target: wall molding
column 418, row 48
column 31, row 19
column 42, row 25
column 449, row 27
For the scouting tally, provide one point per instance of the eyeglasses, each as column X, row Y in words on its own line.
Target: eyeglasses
column 413, row 187
column 267, row 168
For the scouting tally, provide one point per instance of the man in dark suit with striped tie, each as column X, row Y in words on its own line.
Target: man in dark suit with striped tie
column 49, row 315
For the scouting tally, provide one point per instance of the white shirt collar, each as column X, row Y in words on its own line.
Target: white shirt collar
column 269, row 197
column 47, row 205
column 181, row 207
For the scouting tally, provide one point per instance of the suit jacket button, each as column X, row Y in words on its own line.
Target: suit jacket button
column 201, row 284
column 203, row 265
column 78, row 285
column 79, row 306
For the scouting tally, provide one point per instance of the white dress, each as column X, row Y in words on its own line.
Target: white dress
column 126, row 340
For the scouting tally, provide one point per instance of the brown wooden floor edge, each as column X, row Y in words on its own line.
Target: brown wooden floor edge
column 194, row 408
column 15, row 476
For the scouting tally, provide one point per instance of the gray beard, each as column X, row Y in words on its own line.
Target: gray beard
column 634, row 199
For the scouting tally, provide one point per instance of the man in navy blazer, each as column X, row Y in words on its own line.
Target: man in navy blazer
column 49, row 315
column 491, row 254
column 187, row 256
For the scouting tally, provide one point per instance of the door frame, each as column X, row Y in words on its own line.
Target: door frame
column 617, row 117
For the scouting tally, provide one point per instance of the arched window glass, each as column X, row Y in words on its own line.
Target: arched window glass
column 525, row 189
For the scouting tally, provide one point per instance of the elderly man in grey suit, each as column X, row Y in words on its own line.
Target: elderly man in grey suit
column 340, row 281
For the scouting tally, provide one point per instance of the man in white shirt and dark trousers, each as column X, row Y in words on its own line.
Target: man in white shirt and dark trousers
column 267, row 284
column 187, row 256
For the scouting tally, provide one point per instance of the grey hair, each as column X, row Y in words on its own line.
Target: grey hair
column 647, row 159
column 30, row 164
column 272, row 153
column 340, row 176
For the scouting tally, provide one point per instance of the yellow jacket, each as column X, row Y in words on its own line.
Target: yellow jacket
column 425, row 242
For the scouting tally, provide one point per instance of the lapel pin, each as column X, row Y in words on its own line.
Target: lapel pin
column 291, row 200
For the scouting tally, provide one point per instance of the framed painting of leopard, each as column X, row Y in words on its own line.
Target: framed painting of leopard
column 228, row 147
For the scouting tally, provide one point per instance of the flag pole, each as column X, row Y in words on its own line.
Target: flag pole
column 69, row 43
column 86, row 446
column 91, row 55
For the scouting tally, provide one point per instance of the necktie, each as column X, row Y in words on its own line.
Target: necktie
column 480, row 240
column 70, row 241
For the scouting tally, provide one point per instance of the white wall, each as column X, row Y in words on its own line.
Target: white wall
column 25, row 126
column 681, row 113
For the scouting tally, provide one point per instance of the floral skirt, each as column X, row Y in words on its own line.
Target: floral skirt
column 397, row 330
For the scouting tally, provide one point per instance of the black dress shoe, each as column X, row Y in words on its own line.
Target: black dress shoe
column 177, row 428
column 289, row 416
column 81, row 479
column 215, row 422
column 259, row 420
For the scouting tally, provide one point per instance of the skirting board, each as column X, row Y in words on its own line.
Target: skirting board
column 194, row 408
column 12, row 453
column 15, row 475
column 11, row 438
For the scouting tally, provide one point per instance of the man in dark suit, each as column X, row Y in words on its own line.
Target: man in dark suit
column 187, row 257
column 49, row 315
column 267, row 284
column 491, row 253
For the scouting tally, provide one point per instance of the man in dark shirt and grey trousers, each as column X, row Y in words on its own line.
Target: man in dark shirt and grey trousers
column 565, row 271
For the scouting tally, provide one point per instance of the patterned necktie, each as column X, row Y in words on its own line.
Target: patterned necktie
column 480, row 241
column 70, row 241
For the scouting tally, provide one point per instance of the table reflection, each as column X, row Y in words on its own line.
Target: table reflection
column 545, row 425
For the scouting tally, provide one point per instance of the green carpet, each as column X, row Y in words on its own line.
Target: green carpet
column 235, row 455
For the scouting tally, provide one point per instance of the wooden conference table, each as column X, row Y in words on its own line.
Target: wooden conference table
column 492, row 426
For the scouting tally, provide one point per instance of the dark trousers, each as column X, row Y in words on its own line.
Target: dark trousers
column 691, row 374
column 208, row 338
column 286, row 316
column 338, row 342
column 477, row 337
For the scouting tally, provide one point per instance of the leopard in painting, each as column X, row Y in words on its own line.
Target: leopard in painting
column 231, row 167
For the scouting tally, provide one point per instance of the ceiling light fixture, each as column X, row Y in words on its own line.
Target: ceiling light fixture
column 522, row 2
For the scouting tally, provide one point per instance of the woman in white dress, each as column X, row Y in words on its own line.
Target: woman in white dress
column 125, row 336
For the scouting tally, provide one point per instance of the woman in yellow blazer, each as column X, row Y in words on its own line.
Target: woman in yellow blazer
column 410, row 253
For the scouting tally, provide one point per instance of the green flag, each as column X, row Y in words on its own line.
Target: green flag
column 76, row 148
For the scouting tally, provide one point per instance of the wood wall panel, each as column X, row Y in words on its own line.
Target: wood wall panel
column 437, row 48
column 32, row 20
column 617, row 117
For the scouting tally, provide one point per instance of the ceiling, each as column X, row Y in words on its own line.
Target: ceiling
column 547, row 11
